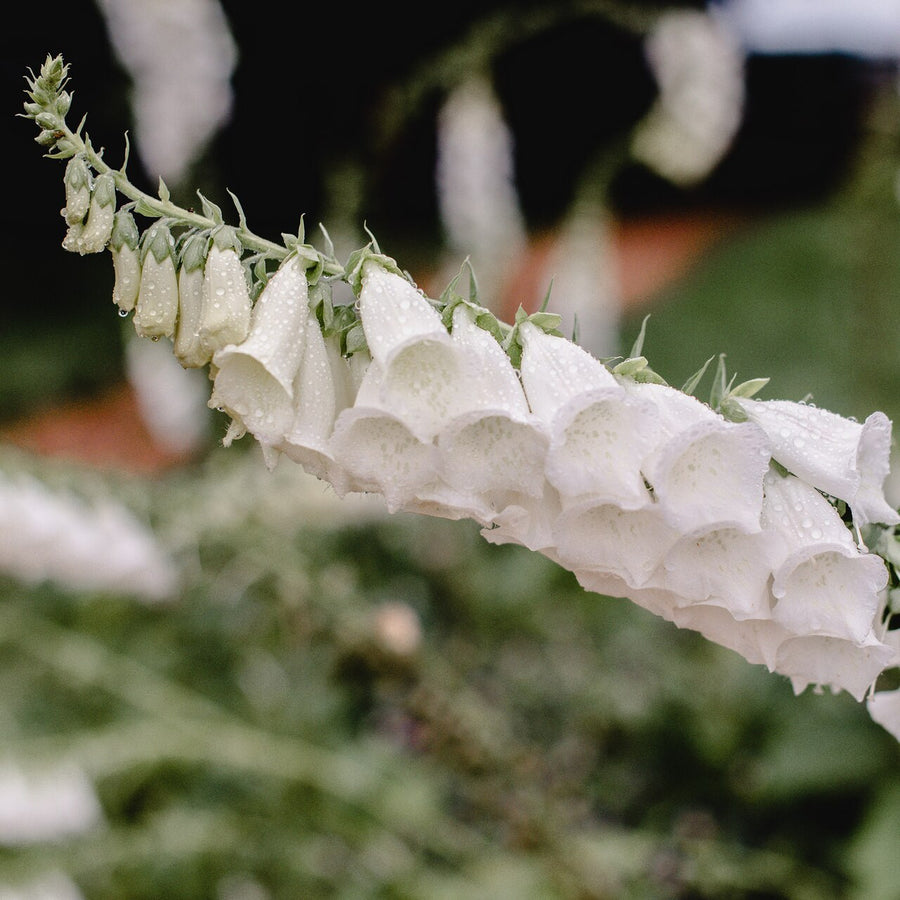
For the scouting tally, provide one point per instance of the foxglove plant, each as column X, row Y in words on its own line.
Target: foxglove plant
column 748, row 521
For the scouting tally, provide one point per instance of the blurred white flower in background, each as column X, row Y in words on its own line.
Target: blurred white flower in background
column 48, row 886
column 180, row 55
column 477, row 197
column 45, row 805
column 698, row 63
column 47, row 535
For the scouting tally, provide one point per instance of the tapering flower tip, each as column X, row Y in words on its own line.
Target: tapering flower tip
column 226, row 310
column 123, row 245
column 78, row 190
column 381, row 455
column 495, row 444
column 821, row 660
column 757, row 640
column 822, row 583
column 255, row 378
column 156, row 309
column 704, row 470
column 884, row 708
column 725, row 567
column 628, row 543
column 846, row 459
column 557, row 372
column 321, row 390
column 418, row 366
column 189, row 350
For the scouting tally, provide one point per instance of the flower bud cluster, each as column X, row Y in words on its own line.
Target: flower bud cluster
column 729, row 528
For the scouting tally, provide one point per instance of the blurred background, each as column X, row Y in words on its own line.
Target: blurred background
column 220, row 682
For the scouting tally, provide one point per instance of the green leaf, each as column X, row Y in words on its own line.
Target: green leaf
column 749, row 388
column 163, row 191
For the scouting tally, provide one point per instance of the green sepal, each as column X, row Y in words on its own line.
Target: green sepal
column 358, row 258
column 158, row 240
column 732, row 410
column 163, row 191
column 637, row 348
column 719, row 389
column 104, row 190
column 747, row 389
column 225, row 237
column 355, row 340
column 194, row 250
column 210, row 210
column 630, row 367
column 691, row 384
column 124, row 231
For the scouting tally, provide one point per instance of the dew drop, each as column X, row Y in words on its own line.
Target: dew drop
column 123, row 313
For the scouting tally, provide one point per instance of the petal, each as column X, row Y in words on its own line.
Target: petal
column 626, row 543
column 658, row 601
column 884, row 708
column 528, row 522
column 320, row 392
column 600, row 440
column 757, row 640
column 839, row 456
column 381, row 454
column 156, row 309
column 255, row 379
column 840, row 664
column 724, row 567
column 833, row 593
column 187, row 348
column 395, row 314
column 555, row 371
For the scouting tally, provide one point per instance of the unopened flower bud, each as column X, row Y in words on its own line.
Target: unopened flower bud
column 188, row 348
column 156, row 309
column 94, row 234
column 78, row 190
column 123, row 245
column 226, row 310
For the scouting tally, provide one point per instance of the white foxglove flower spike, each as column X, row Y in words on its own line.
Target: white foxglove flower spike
column 846, row 459
column 254, row 379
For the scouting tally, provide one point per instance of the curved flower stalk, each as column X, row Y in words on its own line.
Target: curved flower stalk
column 726, row 518
column 846, row 459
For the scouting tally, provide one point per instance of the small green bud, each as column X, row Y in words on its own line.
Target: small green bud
column 156, row 309
column 63, row 102
column 124, row 231
column 48, row 138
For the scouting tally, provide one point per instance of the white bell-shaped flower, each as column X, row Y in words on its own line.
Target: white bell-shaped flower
column 322, row 387
column 841, row 457
column 628, row 543
column 822, row 583
column 840, row 664
column 704, row 470
column 419, row 365
column 255, row 379
column 599, row 435
column 494, row 448
column 724, row 567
